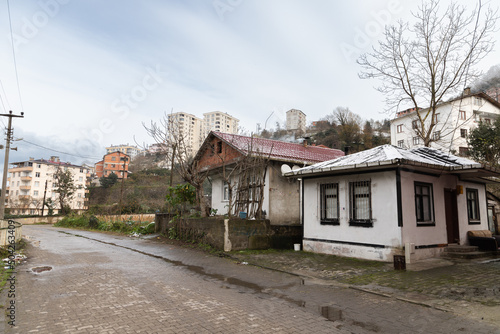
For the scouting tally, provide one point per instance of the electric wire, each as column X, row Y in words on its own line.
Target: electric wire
column 14, row 57
column 57, row 151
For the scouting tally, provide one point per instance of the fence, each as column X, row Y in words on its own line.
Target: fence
column 8, row 229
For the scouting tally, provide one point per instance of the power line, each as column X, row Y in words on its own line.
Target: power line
column 14, row 56
column 57, row 151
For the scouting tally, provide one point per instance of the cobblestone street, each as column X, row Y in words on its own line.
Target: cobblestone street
column 100, row 283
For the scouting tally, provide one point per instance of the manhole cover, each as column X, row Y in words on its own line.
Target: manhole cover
column 41, row 269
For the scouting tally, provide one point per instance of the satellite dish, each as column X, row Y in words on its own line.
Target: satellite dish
column 295, row 167
column 285, row 169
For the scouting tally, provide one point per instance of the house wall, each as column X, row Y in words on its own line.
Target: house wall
column 379, row 242
column 283, row 198
column 429, row 241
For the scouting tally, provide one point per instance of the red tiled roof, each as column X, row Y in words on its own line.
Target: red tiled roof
column 279, row 150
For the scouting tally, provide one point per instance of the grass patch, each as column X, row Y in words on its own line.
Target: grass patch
column 87, row 222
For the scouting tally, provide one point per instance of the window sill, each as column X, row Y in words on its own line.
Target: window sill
column 330, row 222
column 426, row 223
column 474, row 222
column 361, row 223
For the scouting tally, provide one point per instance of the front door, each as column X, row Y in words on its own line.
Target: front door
column 450, row 207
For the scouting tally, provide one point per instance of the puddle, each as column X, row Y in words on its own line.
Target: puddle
column 201, row 271
column 41, row 269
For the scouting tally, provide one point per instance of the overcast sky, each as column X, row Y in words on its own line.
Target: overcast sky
column 91, row 71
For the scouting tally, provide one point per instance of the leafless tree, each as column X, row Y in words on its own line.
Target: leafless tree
column 169, row 134
column 423, row 64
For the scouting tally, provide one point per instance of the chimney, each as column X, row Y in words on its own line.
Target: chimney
column 467, row 91
column 346, row 150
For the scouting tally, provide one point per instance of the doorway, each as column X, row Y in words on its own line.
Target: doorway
column 451, row 211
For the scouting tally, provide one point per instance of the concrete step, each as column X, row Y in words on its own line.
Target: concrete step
column 460, row 249
column 468, row 255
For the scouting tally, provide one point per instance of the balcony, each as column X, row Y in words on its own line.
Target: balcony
column 26, row 178
column 25, row 187
column 21, row 169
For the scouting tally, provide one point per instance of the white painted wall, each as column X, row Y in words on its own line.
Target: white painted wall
column 385, row 230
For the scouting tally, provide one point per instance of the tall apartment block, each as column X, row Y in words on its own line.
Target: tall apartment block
column 190, row 127
column 220, row 122
column 32, row 181
column 295, row 120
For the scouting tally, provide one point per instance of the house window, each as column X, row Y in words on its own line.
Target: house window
column 113, row 158
column 39, row 166
column 401, row 143
column 414, row 124
column 37, row 183
column 399, row 128
column 463, row 151
column 37, row 174
column 463, row 133
column 329, row 194
column 219, row 147
column 436, row 135
column 487, row 121
column 35, row 193
column 436, row 118
column 473, row 206
column 424, row 207
column 463, row 115
column 360, row 204
column 225, row 191
column 478, row 101
column 416, row 140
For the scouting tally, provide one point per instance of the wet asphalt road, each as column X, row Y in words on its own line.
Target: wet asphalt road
column 102, row 283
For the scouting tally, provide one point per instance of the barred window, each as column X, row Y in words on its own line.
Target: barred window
column 360, row 203
column 329, row 207
column 424, row 203
column 473, row 205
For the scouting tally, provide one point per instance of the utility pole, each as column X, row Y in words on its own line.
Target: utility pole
column 6, row 161
column 124, row 159
column 44, row 197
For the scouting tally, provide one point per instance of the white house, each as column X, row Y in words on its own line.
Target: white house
column 454, row 120
column 261, row 185
column 374, row 203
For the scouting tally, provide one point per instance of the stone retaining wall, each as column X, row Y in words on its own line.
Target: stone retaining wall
column 232, row 234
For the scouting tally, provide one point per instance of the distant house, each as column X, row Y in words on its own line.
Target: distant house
column 115, row 162
column 374, row 203
column 262, row 185
column 454, row 121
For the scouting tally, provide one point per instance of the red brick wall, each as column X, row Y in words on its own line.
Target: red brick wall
column 116, row 166
column 221, row 154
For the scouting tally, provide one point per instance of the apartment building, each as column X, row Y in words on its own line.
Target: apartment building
column 130, row 150
column 454, row 120
column 189, row 127
column 33, row 181
column 219, row 122
column 114, row 162
column 295, row 120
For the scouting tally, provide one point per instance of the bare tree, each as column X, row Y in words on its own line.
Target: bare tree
column 425, row 63
column 168, row 133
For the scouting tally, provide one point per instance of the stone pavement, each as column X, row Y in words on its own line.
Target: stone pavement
column 104, row 283
column 463, row 287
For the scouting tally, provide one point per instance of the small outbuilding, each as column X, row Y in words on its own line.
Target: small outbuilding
column 390, row 201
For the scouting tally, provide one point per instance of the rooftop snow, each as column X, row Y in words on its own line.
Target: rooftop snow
column 388, row 154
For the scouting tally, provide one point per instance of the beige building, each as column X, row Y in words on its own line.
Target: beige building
column 295, row 120
column 189, row 126
column 30, row 181
column 220, row 122
column 130, row 150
